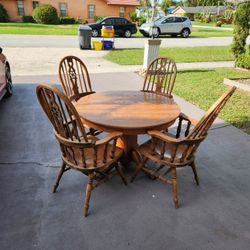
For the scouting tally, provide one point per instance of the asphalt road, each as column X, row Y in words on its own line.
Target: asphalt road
column 37, row 41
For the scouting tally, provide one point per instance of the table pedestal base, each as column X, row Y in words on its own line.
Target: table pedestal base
column 127, row 143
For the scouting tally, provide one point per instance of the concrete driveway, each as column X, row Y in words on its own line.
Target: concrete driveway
column 214, row 215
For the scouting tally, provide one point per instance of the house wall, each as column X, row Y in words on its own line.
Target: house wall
column 76, row 8
column 179, row 12
column 11, row 7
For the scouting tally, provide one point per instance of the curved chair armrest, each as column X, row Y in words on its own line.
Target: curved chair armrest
column 188, row 118
column 108, row 138
column 74, row 143
column 163, row 137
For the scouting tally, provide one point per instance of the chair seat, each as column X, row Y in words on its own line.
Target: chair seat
column 146, row 149
column 89, row 155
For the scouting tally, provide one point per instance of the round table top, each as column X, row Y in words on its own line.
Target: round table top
column 121, row 110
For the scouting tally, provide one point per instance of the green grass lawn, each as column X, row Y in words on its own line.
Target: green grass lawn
column 43, row 29
column 190, row 54
column 203, row 87
column 212, row 24
column 206, row 32
column 38, row 29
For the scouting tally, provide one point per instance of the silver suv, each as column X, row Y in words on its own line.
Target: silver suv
column 172, row 25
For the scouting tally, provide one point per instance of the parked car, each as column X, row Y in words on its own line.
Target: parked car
column 172, row 25
column 122, row 26
column 5, row 77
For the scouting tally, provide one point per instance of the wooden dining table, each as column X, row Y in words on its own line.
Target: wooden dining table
column 131, row 112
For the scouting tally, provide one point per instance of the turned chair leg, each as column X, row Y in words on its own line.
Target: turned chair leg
column 89, row 189
column 174, row 187
column 120, row 172
column 136, row 156
column 141, row 165
column 195, row 173
column 59, row 176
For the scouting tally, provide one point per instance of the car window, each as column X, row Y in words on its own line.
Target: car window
column 109, row 21
column 119, row 21
column 160, row 19
column 169, row 20
column 178, row 20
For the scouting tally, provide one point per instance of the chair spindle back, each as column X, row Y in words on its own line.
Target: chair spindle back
column 183, row 151
column 201, row 129
column 160, row 76
column 74, row 78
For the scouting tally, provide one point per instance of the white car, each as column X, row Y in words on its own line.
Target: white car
column 169, row 25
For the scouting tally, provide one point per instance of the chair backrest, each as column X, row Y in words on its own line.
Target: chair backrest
column 78, row 150
column 61, row 113
column 202, row 127
column 160, row 76
column 74, row 78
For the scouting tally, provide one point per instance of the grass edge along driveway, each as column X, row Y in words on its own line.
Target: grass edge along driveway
column 202, row 87
column 188, row 54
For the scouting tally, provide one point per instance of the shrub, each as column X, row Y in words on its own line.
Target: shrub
column 133, row 16
column 141, row 20
column 81, row 21
column 222, row 20
column 67, row 20
column 97, row 18
column 228, row 16
column 84, row 21
column 241, row 29
column 207, row 19
column 243, row 61
column 198, row 16
column 3, row 14
column 190, row 16
column 218, row 24
column 46, row 14
column 28, row 19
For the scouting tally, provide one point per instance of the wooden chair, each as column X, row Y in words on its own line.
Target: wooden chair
column 75, row 81
column 160, row 76
column 96, row 158
column 74, row 78
column 171, row 152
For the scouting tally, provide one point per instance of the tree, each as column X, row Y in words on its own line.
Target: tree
column 205, row 2
column 241, row 32
column 241, row 28
column 3, row 14
column 166, row 4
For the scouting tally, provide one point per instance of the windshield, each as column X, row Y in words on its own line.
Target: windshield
column 160, row 19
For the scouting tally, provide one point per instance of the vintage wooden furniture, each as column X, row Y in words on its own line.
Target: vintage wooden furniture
column 160, row 76
column 171, row 152
column 93, row 157
column 75, row 81
column 74, row 78
column 130, row 112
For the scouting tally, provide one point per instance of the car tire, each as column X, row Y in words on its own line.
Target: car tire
column 9, row 90
column 185, row 33
column 127, row 33
column 157, row 34
column 95, row 33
